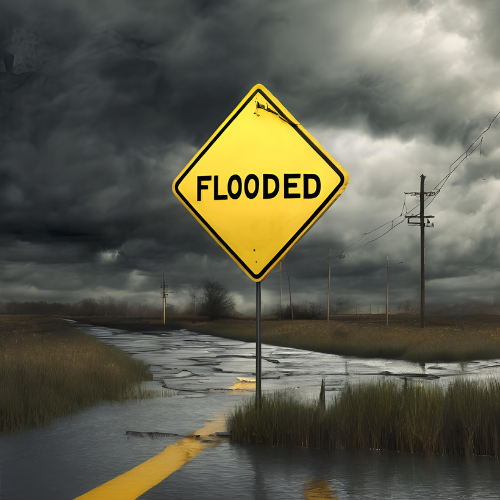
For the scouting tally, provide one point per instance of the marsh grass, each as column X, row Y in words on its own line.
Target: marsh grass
column 367, row 337
column 445, row 338
column 463, row 419
column 48, row 369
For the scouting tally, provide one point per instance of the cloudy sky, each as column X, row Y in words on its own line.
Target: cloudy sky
column 109, row 100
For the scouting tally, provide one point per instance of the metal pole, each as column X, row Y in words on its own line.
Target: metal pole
column 281, row 290
column 257, row 349
column 387, row 296
column 329, row 270
column 422, row 254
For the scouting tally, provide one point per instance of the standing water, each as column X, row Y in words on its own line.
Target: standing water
column 208, row 377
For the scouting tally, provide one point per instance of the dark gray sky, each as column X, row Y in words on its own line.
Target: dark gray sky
column 109, row 100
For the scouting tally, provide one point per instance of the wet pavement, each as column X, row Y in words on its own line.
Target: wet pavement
column 208, row 377
column 195, row 364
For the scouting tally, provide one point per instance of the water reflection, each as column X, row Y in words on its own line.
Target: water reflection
column 134, row 483
column 259, row 481
column 210, row 376
column 319, row 489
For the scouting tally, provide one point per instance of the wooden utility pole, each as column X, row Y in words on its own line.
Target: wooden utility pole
column 338, row 256
column 422, row 194
column 163, row 286
column 165, row 295
column 387, row 296
column 329, row 271
column 281, row 290
column 422, row 253
column 290, row 290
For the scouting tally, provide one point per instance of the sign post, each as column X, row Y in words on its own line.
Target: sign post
column 258, row 363
column 258, row 185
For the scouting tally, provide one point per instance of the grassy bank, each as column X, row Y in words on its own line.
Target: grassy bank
column 463, row 419
column 48, row 369
column 446, row 338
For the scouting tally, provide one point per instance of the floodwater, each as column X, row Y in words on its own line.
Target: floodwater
column 207, row 374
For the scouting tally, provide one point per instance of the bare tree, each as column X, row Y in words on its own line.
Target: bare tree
column 89, row 307
column 216, row 301
column 409, row 305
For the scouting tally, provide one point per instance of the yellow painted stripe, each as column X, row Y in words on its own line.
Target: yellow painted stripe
column 245, row 385
column 140, row 479
column 320, row 490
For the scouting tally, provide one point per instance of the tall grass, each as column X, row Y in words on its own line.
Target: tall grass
column 52, row 374
column 440, row 341
column 463, row 419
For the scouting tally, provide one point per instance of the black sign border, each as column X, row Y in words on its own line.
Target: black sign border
column 298, row 234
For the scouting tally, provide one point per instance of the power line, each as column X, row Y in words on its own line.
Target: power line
column 396, row 221
column 477, row 143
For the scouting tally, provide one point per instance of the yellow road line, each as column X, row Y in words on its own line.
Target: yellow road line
column 319, row 489
column 140, row 479
column 245, row 385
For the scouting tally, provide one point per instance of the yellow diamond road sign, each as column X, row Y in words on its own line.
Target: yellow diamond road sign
column 259, row 183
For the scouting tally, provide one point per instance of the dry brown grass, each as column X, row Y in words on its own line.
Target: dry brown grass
column 445, row 338
column 48, row 369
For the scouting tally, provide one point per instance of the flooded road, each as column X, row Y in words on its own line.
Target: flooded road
column 208, row 377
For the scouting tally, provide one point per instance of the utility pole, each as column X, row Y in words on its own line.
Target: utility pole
column 290, row 290
column 340, row 256
column 422, row 194
column 387, row 296
column 422, row 254
column 165, row 295
column 163, row 286
column 281, row 290
column 329, row 270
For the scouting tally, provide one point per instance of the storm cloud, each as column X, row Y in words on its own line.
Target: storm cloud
column 102, row 104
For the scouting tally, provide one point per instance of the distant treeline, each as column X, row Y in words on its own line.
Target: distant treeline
column 86, row 307
column 464, row 308
column 307, row 310
column 213, row 300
